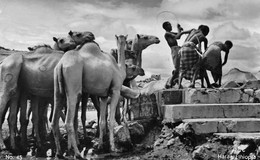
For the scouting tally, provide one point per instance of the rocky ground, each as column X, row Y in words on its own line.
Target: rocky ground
column 163, row 141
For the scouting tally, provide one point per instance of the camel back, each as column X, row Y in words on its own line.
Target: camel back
column 37, row 73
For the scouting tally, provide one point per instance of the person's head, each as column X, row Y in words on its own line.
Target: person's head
column 229, row 44
column 167, row 26
column 204, row 29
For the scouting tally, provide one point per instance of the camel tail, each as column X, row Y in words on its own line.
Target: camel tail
column 59, row 79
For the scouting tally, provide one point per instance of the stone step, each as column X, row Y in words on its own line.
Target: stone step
column 210, row 96
column 178, row 112
column 239, row 136
column 223, row 125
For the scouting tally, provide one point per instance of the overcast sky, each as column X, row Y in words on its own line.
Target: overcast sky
column 27, row 23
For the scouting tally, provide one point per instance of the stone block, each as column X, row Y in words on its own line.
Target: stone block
column 230, row 95
column 172, row 96
column 224, row 125
column 201, row 95
column 144, row 107
column 257, row 94
column 174, row 113
column 254, row 84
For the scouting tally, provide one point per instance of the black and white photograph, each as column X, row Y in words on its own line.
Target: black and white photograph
column 130, row 79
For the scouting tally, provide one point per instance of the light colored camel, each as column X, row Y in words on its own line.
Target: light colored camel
column 36, row 79
column 89, row 70
column 81, row 37
column 131, row 71
column 140, row 42
column 137, row 45
column 40, row 67
column 9, row 93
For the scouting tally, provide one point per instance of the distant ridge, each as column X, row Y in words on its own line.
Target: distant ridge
column 238, row 76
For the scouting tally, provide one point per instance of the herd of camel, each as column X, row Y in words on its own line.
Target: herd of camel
column 64, row 75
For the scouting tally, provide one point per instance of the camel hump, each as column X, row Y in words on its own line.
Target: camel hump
column 90, row 47
column 41, row 49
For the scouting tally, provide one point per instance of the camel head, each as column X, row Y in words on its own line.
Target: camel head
column 81, row 37
column 133, row 71
column 142, row 41
column 121, row 40
column 64, row 44
column 129, row 43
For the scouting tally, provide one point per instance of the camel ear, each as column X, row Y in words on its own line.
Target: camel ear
column 30, row 48
column 70, row 33
column 116, row 36
column 55, row 39
column 126, row 36
column 138, row 36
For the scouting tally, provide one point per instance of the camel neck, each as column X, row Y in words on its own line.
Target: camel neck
column 121, row 59
column 121, row 55
column 138, row 50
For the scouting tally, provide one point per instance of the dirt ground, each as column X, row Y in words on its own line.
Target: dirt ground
column 143, row 150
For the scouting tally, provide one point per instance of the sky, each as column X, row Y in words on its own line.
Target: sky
column 25, row 23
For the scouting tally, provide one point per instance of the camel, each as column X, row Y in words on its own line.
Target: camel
column 137, row 45
column 11, row 65
column 9, row 93
column 140, row 42
column 42, row 65
column 131, row 71
column 36, row 83
column 88, row 69
column 10, row 68
column 81, row 37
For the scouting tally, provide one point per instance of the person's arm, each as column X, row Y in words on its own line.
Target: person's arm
column 205, row 43
column 225, row 58
column 186, row 32
column 198, row 49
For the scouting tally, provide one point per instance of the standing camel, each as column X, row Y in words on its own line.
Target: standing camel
column 140, row 42
column 9, row 73
column 89, row 70
column 40, row 66
column 137, row 45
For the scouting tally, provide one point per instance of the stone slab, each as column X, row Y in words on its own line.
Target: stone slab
column 239, row 136
column 224, row 125
column 173, row 96
column 175, row 113
column 210, row 96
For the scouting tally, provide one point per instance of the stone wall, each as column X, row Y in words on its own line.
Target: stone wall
column 146, row 106
column 209, row 96
column 149, row 106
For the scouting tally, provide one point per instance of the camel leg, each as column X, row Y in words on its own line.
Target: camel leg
column 12, row 120
column 72, row 100
column 55, row 122
column 35, row 111
column 84, row 102
column 76, row 123
column 43, row 120
column 114, row 101
column 96, row 102
column 3, row 104
column 118, row 113
column 102, row 122
column 24, row 120
column 126, row 111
